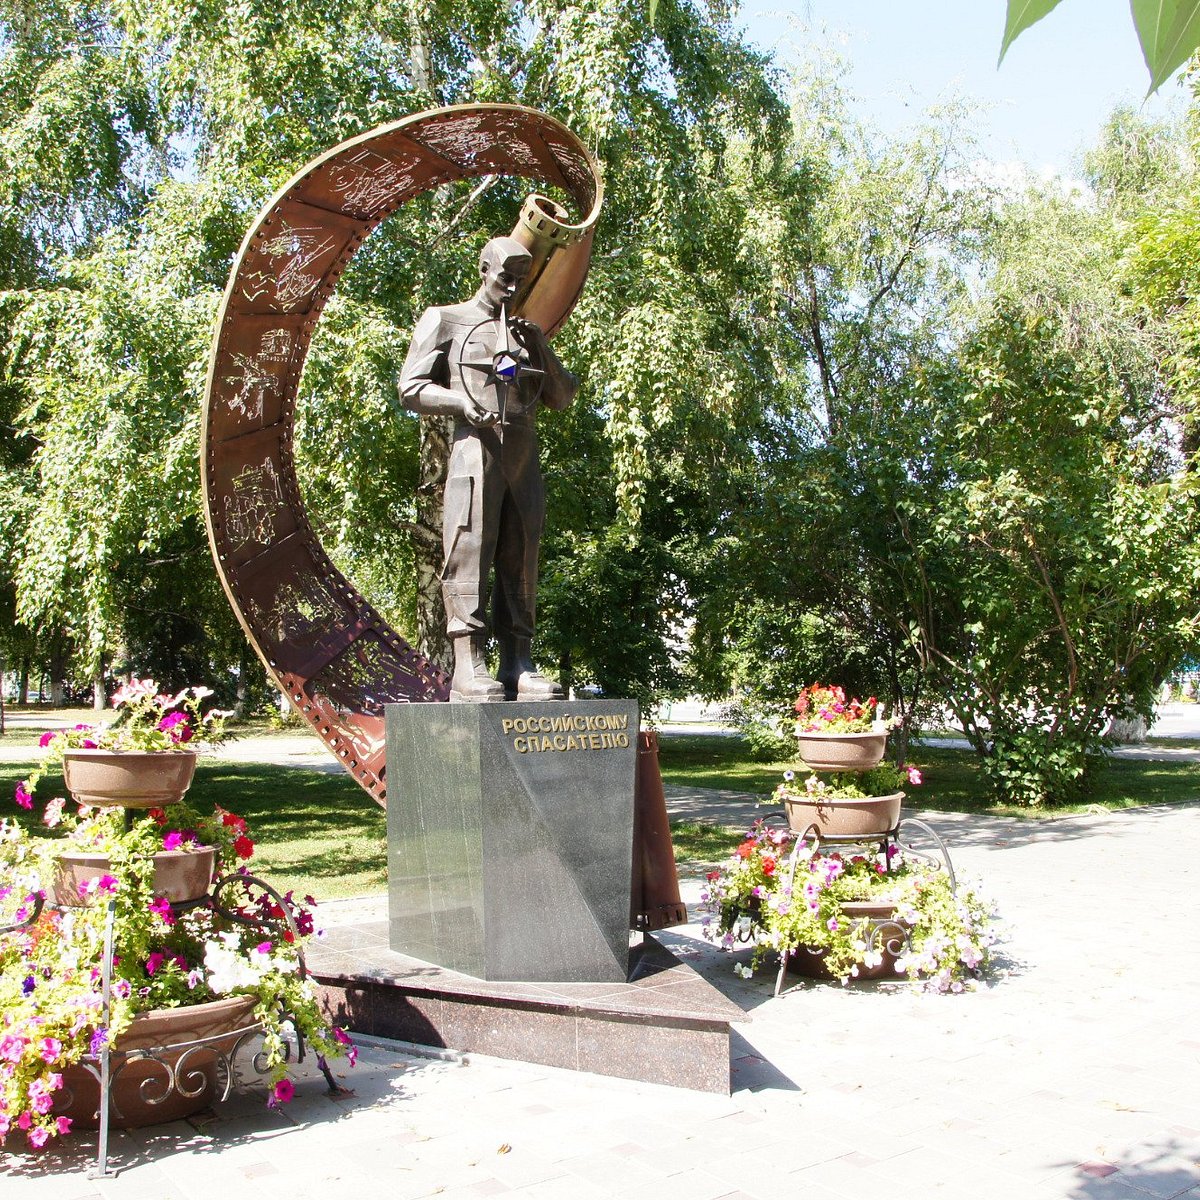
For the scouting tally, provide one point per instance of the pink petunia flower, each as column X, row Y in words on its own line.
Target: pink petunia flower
column 134, row 690
column 23, row 796
column 283, row 1092
column 177, row 727
column 38, row 1137
column 12, row 1047
column 346, row 1040
column 51, row 1049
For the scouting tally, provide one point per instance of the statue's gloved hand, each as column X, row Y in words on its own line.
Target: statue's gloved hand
column 475, row 414
column 528, row 334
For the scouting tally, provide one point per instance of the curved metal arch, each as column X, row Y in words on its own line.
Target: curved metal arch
column 321, row 641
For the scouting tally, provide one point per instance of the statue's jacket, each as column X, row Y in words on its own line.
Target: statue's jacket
column 494, row 502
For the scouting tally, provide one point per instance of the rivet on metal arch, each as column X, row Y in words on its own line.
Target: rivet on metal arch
column 328, row 650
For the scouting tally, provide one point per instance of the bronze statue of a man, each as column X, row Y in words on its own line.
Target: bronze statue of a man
column 490, row 372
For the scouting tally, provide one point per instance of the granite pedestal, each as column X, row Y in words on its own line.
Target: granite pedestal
column 510, row 835
column 666, row 1025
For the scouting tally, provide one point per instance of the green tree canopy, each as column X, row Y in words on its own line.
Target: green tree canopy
column 190, row 118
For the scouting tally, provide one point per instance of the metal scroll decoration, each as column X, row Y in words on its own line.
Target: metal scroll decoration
column 325, row 646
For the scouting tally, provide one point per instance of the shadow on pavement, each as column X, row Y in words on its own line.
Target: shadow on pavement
column 1169, row 1170
column 243, row 1120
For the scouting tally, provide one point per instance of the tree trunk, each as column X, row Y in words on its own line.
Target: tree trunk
column 1128, row 732
column 23, row 682
column 245, row 666
column 427, row 538
column 58, row 670
column 98, row 697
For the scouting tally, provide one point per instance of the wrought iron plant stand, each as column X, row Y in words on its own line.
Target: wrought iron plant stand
column 881, row 932
column 183, row 1069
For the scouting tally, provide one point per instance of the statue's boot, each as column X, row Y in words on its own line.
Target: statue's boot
column 521, row 679
column 471, row 683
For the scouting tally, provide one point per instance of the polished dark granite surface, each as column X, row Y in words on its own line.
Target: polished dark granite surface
column 510, row 829
column 665, row 1025
column 660, row 983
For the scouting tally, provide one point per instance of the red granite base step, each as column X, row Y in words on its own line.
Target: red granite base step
column 666, row 1025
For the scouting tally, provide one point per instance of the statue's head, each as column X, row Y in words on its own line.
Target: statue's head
column 503, row 264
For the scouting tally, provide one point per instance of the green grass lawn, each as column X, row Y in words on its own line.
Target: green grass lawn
column 699, row 844
column 314, row 833
column 321, row 833
column 23, row 726
column 953, row 780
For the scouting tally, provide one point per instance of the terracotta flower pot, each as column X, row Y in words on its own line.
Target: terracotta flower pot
column 841, row 751
column 128, row 778
column 166, row 1084
column 810, row 962
column 868, row 817
column 179, row 875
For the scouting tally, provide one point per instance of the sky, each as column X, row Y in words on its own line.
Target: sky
column 1043, row 107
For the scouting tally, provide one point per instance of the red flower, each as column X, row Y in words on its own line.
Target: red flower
column 746, row 849
column 768, row 864
column 243, row 847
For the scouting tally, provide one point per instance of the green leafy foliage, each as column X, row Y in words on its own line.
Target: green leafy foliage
column 139, row 143
column 1168, row 30
column 1065, row 581
column 1021, row 14
column 903, row 520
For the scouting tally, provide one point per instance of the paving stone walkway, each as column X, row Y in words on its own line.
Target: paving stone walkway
column 1073, row 1075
